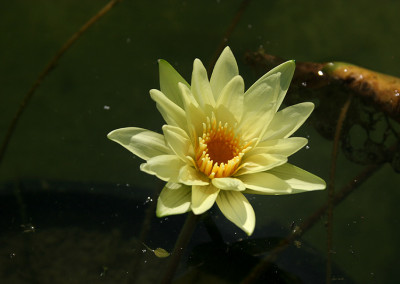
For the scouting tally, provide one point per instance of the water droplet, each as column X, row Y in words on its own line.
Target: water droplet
column 304, row 84
column 12, row 255
column 320, row 73
column 106, row 107
column 307, row 147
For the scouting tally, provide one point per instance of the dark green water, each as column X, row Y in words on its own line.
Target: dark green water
column 84, row 194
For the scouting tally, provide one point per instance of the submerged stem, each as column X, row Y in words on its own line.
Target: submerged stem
column 307, row 224
column 180, row 245
column 331, row 187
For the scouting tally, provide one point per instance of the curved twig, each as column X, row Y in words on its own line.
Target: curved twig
column 50, row 66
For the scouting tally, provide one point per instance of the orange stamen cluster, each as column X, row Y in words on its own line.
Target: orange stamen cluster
column 219, row 151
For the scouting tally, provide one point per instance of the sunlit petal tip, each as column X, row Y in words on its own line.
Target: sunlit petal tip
column 203, row 198
column 237, row 209
column 174, row 199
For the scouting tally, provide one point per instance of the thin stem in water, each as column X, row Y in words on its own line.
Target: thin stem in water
column 180, row 245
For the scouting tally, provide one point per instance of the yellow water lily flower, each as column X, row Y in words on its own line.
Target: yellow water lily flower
column 221, row 142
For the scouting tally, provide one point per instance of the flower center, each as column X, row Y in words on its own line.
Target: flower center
column 220, row 150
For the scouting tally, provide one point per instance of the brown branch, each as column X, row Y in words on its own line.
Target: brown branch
column 50, row 66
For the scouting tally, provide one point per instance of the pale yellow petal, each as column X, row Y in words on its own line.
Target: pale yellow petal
column 237, row 209
column 265, row 183
column 260, row 162
column 178, row 140
column 299, row 179
column 143, row 143
column 201, row 88
column 174, row 199
column 171, row 112
column 288, row 120
column 229, row 107
column 228, row 183
column 285, row 147
column 225, row 69
column 203, row 198
column 169, row 79
column 165, row 167
column 195, row 116
column 190, row 176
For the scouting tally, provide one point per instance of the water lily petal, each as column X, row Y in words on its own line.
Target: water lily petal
column 288, row 120
column 229, row 107
column 201, row 88
column 265, row 183
column 172, row 113
column 286, row 70
column 174, row 199
column 237, row 209
column 190, row 176
column 169, row 79
column 194, row 114
column 299, row 179
column 178, row 140
column 165, row 167
column 286, row 147
column 143, row 143
column 203, row 198
column 260, row 162
column 228, row 184
column 224, row 70
column 259, row 106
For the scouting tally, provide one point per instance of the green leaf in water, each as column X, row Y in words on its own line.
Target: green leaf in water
column 159, row 252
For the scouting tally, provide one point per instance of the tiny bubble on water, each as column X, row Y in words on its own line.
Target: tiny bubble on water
column 106, row 107
column 307, row 147
column 304, row 84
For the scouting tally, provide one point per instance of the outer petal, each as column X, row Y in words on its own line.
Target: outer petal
column 143, row 143
column 299, row 179
column 288, row 120
column 256, row 162
column 201, row 88
column 172, row 113
column 169, row 79
column 178, row 141
column 228, row 184
column 203, row 198
column 225, row 69
column 190, row 176
column 174, row 199
column 165, row 167
column 229, row 107
column 237, row 209
column 265, row 183
column 285, row 147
